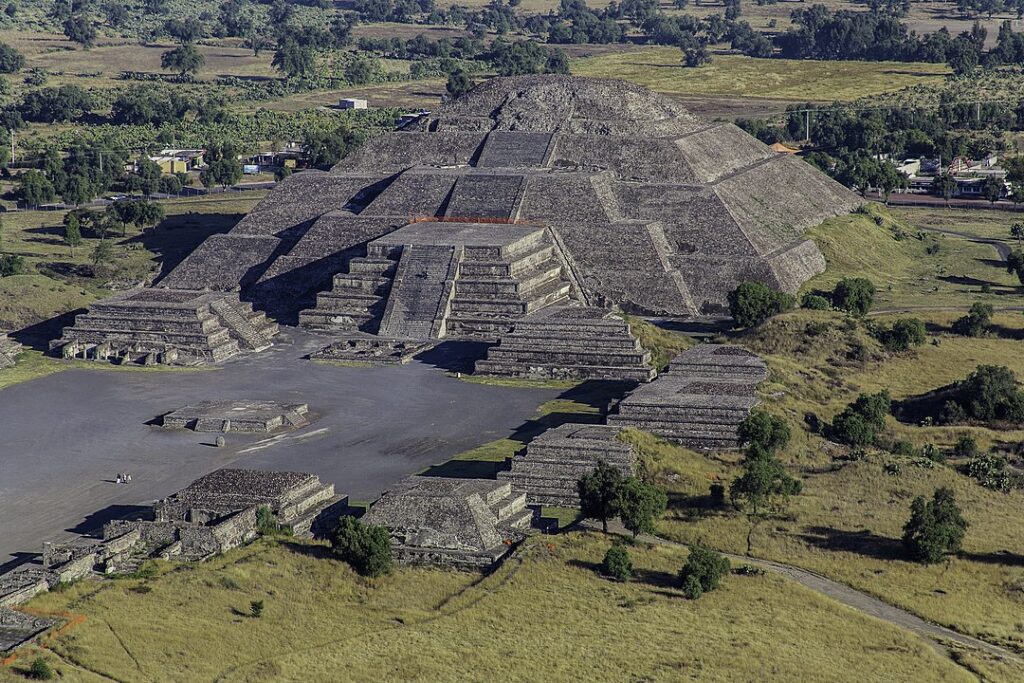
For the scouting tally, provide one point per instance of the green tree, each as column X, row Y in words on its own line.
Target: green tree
column 293, row 59
column 854, row 295
column 904, row 334
column 124, row 212
column 102, row 253
column 222, row 165
column 944, row 186
column 35, row 188
column 72, row 232
column 11, row 61
column 935, row 527
column 617, row 564
column 695, row 56
column 976, row 322
column 1015, row 264
column 703, row 571
column 751, row 303
column 185, row 59
column 1017, row 232
column 599, row 493
column 991, row 393
column 79, row 29
column 763, row 484
column 459, row 83
column 639, row 504
column 148, row 214
column 360, row 71
column 764, row 430
column 365, row 547
column 324, row 149
column 993, row 188
column 859, row 423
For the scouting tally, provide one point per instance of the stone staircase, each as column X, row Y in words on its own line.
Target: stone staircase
column 357, row 298
column 548, row 472
column 250, row 329
column 570, row 343
column 498, row 286
column 166, row 326
column 421, row 292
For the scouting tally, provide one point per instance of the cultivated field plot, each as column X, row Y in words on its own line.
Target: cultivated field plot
column 544, row 615
column 659, row 69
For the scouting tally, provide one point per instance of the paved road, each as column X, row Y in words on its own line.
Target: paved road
column 64, row 437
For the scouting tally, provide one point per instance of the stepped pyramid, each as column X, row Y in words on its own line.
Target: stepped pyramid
column 166, row 326
column 700, row 402
column 570, row 343
column 548, row 472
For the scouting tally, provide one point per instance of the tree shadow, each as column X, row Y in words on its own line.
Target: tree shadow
column 863, row 543
column 657, row 579
column 967, row 281
column 320, row 552
column 1001, row 557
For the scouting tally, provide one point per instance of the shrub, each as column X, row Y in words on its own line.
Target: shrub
column 256, row 609
column 752, row 303
column 904, row 448
column 365, row 547
column 991, row 393
column 965, row 447
column 703, row 571
column 764, row 430
column 976, row 322
column 904, row 334
column 40, row 670
column 11, row 264
column 266, row 523
column 935, row 527
column 815, row 302
column 717, row 494
column 854, row 295
column 617, row 563
column 860, row 422
column 990, row 471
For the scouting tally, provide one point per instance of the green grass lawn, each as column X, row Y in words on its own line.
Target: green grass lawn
column 980, row 222
column 544, row 615
column 658, row 68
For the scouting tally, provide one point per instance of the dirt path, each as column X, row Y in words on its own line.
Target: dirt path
column 936, row 635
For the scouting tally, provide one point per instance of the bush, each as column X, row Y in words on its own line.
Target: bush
column 904, row 448
column 40, row 670
column 11, row 264
column 617, row 563
column 935, row 527
column 991, row 393
column 965, row 447
column 366, row 548
column 854, row 295
column 717, row 494
column 860, row 422
column 976, row 322
column 752, row 303
column 815, row 302
column 703, row 571
column 256, row 609
column 904, row 334
column 990, row 471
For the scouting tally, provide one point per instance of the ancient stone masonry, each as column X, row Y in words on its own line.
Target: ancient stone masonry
column 636, row 202
column 237, row 416
column 18, row 628
column 548, row 472
column 465, row 523
column 166, row 326
column 570, row 343
column 700, row 402
column 371, row 350
column 9, row 350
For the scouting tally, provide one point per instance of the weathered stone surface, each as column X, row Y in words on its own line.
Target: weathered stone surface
column 700, row 402
column 550, row 469
column 9, row 350
column 237, row 416
column 18, row 628
column 21, row 584
column 570, row 343
column 371, row 350
column 468, row 523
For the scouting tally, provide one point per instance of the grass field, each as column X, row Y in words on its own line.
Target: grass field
column 544, row 615
column 659, row 69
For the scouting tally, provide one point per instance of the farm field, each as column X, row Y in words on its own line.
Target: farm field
column 433, row 625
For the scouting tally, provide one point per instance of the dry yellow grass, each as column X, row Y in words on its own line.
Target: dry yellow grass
column 545, row 615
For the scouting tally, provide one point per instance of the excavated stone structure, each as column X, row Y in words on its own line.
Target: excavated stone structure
column 167, row 326
column 632, row 201
column 367, row 349
column 548, row 472
column 237, row 416
column 700, row 402
column 463, row 523
column 570, row 343
column 18, row 628
column 9, row 350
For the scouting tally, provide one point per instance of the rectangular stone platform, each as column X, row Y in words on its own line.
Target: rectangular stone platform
column 570, row 343
column 236, row 416
column 463, row 523
column 700, row 402
column 549, row 471
column 371, row 350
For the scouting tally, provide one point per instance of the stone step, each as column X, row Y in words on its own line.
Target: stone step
column 510, row 507
column 675, row 413
column 570, row 356
column 509, row 268
column 372, row 266
column 561, row 371
column 536, row 299
column 295, row 420
column 241, row 327
column 363, row 283
column 190, row 340
column 326, row 320
column 525, row 282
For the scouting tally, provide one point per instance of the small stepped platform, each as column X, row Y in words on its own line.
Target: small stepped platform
column 166, row 326
column 371, row 350
column 9, row 350
column 700, row 402
column 462, row 523
column 548, row 472
column 570, row 343
column 237, row 416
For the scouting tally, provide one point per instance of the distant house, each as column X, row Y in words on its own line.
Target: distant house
column 179, row 160
column 352, row 103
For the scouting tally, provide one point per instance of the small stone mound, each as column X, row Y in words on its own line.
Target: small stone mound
column 556, row 460
column 237, row 416
column 570, row 343
column 700, row 402
column 9, row 350
column 371, row 350
column 463, row 523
